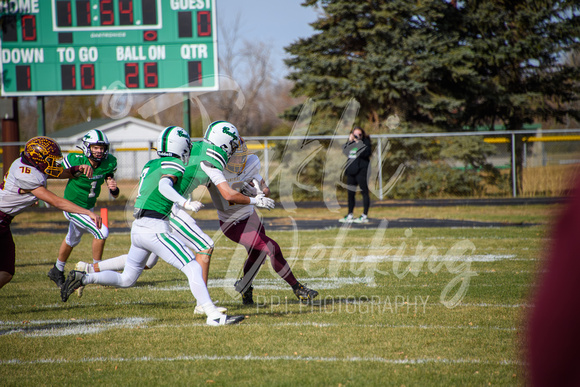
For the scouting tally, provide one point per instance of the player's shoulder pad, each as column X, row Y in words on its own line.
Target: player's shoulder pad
column 253, row 164
column 172, row 163
column 29, row 178
column 75, row 156
column 216, row 156
column 112, row 161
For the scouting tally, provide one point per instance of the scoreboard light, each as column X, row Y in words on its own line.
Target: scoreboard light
column 72, row 47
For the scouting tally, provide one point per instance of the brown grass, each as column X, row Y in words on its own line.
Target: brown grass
column 550, row 180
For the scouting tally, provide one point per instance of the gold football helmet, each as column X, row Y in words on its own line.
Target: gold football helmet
column 237, row 161
column 44, row 154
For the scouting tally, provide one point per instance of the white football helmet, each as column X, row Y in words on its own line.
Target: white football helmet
column 174, row 142
column 224, row 135
column 95, row 137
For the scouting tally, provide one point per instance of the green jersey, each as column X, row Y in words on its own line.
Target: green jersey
column 194, row 176
column 148, row 196
column 84, row 191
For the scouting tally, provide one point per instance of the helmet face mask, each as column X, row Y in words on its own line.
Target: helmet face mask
column 174, row 141
column 224, row 135
column 45, row 155
column 237, row 161
column 95, row 137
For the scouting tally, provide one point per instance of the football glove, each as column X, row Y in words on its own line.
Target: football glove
column 249, row 190
column 192, row 205
column 264, row 202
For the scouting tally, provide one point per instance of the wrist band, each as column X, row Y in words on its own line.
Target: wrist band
column 253, row 201
column 115, row 191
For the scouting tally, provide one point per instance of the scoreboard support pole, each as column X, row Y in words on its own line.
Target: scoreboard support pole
column 10, row 133
column 40, row 126
column 187, row 113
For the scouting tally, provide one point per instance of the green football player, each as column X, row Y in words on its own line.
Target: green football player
column 83, row 190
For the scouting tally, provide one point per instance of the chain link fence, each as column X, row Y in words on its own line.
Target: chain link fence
column 403, row 166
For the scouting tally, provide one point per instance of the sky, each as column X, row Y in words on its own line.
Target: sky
column 274, row 22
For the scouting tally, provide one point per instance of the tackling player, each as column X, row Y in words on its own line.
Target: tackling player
column 84, row 191
column 24, row 184
column 241, row 224
column 159, row 188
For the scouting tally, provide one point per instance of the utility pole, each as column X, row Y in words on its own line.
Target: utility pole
column 9, row 114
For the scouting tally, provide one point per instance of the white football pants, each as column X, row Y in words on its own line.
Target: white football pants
column 153, row 236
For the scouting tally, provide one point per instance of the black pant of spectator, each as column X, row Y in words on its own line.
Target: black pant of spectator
column 359, row 179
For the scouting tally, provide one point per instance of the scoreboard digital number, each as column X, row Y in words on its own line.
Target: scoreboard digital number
column 68, row 47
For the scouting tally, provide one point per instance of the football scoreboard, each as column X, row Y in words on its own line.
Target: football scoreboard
column 74, row 47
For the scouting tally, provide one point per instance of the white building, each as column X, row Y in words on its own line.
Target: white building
column 132, row 140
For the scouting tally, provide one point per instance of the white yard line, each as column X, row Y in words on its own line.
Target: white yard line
column 56, row 328
column 251, row 357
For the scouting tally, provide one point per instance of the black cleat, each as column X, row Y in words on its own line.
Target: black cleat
column 224, row 320
column 303, row 293
column 57, row 276
column 247, row 296
column 72, row 283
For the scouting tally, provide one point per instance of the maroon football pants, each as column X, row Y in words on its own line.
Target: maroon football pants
column 8, row 255
column 250, row 233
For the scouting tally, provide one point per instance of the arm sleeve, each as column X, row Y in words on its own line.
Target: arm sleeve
column 166, row 189
column 66, row 161
column 347, row 147
column 216, row 176
column 367, row 149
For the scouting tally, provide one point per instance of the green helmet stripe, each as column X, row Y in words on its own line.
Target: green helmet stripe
column 100, row 135
column 165, row 138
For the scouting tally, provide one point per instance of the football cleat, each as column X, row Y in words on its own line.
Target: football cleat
column 72, row 283
column 247, row 296
column 81, row 266
column 223, row 319
column 303, row 293
column 57, row 276
column 361, row 219
column 199, row 310
column 346, row 219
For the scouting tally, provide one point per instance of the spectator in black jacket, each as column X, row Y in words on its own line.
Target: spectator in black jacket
column 358, row 150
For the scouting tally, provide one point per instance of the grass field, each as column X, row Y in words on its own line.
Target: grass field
column 396, row 307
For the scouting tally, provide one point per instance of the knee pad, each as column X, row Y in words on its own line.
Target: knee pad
column 193, row 271
column 104, row 232
column 129, row 276
column 73, row 239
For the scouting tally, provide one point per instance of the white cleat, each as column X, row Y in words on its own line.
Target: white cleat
column 222, row 319
column 199, row 310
